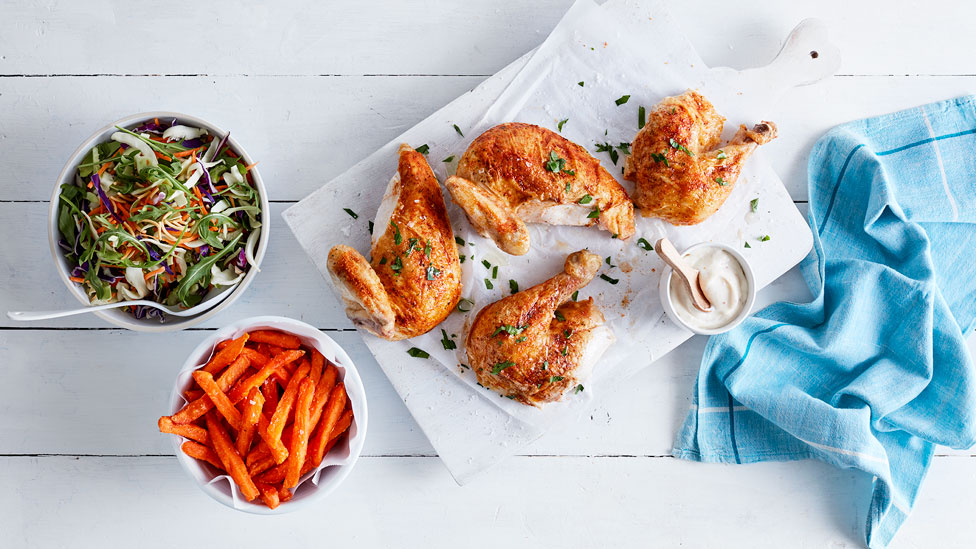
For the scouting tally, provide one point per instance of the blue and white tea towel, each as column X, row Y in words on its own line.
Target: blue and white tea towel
column 874, row 372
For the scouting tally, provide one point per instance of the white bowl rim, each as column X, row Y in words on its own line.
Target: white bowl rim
column 665, row 294
column 308, row 492
column 126, row 320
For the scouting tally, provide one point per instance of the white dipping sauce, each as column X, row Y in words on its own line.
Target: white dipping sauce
column 722, row 280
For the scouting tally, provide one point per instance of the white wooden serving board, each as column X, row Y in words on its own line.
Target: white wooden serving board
column 471, row 429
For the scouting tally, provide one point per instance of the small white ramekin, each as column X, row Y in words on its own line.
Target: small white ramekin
column 665, row 285
column 340, row 460
column 124, row 319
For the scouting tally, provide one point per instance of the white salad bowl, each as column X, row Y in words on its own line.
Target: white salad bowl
column 122, row 318
column 340, row 460
column 665, row 293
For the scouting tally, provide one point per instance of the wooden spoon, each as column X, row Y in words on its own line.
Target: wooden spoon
column 687, row 274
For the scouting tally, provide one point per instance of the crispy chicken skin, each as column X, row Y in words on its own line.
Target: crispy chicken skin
column 414, row 278
column 682, row 175
column 536, row 344
column 517, row 173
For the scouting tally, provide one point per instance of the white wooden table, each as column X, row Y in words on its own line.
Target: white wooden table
column 310, row 88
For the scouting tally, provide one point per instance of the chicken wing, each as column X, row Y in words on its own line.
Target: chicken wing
column 517, row 173
column 681, row 174
column 414, row 278
column 536, row 344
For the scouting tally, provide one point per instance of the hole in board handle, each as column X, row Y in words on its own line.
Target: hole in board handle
column 814, row 54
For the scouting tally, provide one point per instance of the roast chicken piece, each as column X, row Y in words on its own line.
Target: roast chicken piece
column 537, row 344
column 414, row 278
column 516, row 173
column 682, row 174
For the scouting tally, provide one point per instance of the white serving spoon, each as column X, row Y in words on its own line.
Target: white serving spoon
column 687, row 274
column 208, row 303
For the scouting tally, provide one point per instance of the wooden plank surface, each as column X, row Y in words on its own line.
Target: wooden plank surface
column 310, row 88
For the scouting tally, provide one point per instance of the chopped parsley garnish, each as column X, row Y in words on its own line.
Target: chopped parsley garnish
column 412, row 244
column 459, row 240
column 554, row 379
column 458, row 130
column 585, row 200
column 499, row 366
column 485, row 263
column 545, row 364
column 565, row 350
column 575, row 295
column 494, row 271
column 623, row 99
column 567, row 333
column 594, row 214
column 446, row 341
column 764, row 238
column 720, row 181
column 383, row 260
column 561, row 123
column 721, row 155
column 609, row 279
column 509, row 329
column 675, row 145
column 578, row 389
column 754, row 204
column 512, row 285
column 521, row 339
column 397, row 237
column 465, row 305
column 747, row 245
column 580, row 83
column 461, row 258
column 351, row 213
column 608, row 148
column 624, row 147
column 641, row 117
column 448, row 159
column 370, row 227
column 559, row 316
column 612, row 266
column 660, row 158
column 569, row 187
column 427, row 249
column 423, row 149
column 643, row 244
column 555, row 164
column 432, row 272
column 488, row 284
column 418, row 353
column 397, row 266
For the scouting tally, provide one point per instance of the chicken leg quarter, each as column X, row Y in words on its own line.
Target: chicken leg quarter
column 517, row 173
column 414, row 278
column 536, row 344
column 681, row 174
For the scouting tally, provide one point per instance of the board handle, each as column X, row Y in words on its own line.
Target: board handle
column 807, row 57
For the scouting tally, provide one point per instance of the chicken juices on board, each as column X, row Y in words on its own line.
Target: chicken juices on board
column 413, row 280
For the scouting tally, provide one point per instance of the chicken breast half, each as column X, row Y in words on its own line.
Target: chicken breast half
column 682, row 174
column 535, row 345
column 413, row 280
column 517, row 173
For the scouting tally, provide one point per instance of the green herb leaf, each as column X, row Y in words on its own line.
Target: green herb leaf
column 675, row 145
column 764, row 238
column 397, row 237
column 641, row 117
column 580, row 83
column 485, row 263
column 499, row 366
column 545, row 364
column 351, row 213
column 494, row 271
column 461, row 258
column 446, row 341
column 559, row 316
column 509, row 329
column 594, row 214
column 720, row 181
column 370, row 227
column 721, row 155
column 458, row 130
column 488, row 284
column 585, row 200
column 418, row 353
column 609, row 279
column 432, row 272
column 578, row 389
column 660, row 158
column 562, row 123
column 383, row 260
column 423, row 149
column 513, row 286
column 612, row 266
column 747, row 245
column 623, row 99
column 396, row 266
column 554, row 379
column 200, row 270
column 643, row 244
column 459, row 240
column 427, row 249
column 412, row 244
column 754, row 204
column 576, row 295
column 448, row 159
column 569, row 187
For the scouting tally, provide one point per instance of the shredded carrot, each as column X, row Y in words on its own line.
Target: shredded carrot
column 154, row 273
column 249, row 166
column 188, row 152
column 156, row 121
column 203, row 207
column 162, row 156
column 91, row 185
column 77, row 279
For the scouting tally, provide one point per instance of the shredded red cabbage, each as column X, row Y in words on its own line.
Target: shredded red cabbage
column 105, row 201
